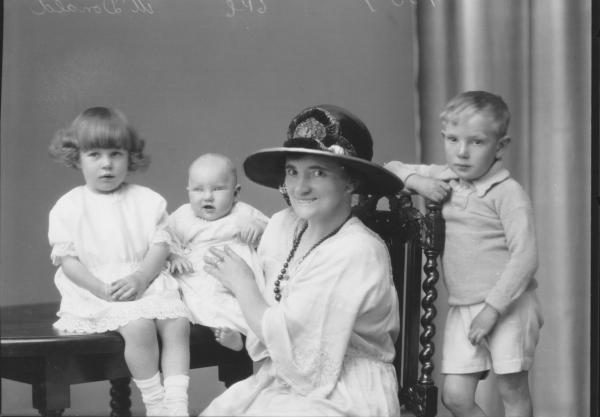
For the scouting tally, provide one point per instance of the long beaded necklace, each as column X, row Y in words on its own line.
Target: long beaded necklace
column 295, row 243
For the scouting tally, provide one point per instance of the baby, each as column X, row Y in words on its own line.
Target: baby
column 213, row 217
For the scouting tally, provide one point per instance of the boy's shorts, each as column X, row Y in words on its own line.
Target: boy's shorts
column 509, row 348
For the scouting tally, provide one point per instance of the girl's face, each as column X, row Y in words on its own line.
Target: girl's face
column 318, row 188
column 104, row 170
column 212, row 190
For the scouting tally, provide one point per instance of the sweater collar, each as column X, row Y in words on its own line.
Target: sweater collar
column 495, row 175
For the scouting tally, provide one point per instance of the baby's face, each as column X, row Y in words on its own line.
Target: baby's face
column 212, row 190
column 471, row 144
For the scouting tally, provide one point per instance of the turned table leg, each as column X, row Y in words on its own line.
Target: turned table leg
column 120, row 401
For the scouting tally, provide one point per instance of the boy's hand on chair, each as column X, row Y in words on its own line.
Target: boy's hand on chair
column 482, row 324
column 128, row 288
column 430, row 188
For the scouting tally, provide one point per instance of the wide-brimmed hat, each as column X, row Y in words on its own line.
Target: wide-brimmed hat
column 327, row 131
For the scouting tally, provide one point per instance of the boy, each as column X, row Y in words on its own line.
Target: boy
column 489, row 259
column 213, row 217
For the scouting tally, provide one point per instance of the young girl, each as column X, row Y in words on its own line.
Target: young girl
column 110, row 241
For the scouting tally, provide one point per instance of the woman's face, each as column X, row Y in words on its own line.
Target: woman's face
column 319, row 188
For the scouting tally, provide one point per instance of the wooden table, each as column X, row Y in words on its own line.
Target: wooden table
column 51, row 361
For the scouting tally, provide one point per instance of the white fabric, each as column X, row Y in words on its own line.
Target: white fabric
column 329, row 343
column 110, row 234
column 209, row 302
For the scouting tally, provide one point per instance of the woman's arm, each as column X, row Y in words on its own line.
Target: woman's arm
column 80, row 275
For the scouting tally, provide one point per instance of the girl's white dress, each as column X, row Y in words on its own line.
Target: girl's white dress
column 110, row 234
column 328, row 346
column 209, row 302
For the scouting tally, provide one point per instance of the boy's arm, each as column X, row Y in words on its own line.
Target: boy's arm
column 420, row 179
column 516, row 215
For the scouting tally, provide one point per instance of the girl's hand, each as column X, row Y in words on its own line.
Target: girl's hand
column 179, row 265
column 482, row 324
column 229, row 267
column 431, row 188
column 251, row 231
column 128, row 288
column 103, row 291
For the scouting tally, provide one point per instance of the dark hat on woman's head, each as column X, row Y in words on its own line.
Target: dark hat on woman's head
column 326, row 131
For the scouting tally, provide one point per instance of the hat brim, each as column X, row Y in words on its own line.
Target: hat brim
column 267, row 167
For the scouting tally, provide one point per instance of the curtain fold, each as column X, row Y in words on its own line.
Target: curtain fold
column 536, row 55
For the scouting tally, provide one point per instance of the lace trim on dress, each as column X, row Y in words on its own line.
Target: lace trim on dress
column 73, row 324
column 60, row 250
column 316, row 365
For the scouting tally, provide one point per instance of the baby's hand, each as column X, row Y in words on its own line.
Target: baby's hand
column 251, row 231
column 431, row 188
column 180, row 265
column 482, row 324
column 128, row 288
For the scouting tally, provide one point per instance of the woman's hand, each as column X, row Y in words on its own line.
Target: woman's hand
column 128, row 289
column 228, row 267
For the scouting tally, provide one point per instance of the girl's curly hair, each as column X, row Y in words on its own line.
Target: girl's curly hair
column 98, row 127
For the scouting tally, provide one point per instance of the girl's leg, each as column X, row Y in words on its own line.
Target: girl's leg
column 175, row 361
column 458, row 395
column 141, row 355
column 514, row 390
column 229, row 338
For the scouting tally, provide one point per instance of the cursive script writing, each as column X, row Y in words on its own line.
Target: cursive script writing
column 397, row 3
column 96, row 7
column 251, row 6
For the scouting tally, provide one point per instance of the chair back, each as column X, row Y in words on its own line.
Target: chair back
column 411, row 235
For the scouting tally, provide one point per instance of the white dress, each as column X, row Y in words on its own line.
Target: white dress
column 110, row 234
column 328, row 345
column 209, row 302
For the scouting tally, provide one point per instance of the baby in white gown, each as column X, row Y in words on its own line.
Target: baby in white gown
column 213, row 217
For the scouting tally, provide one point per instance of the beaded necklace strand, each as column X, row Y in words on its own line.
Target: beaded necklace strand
column 295, row 243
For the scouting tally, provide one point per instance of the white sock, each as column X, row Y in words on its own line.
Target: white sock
column 176, row 395
column 153, row 394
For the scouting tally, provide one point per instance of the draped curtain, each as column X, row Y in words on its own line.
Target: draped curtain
column 536, row 55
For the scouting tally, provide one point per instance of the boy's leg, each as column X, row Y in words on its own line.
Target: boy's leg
column 175, row 360
column 458, row 395
column 514, row 390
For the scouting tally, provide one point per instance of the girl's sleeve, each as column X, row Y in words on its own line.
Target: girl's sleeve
column 60, row 223
column 174, row 228
column 308, row 332
column 161, row 230
column 243, row 211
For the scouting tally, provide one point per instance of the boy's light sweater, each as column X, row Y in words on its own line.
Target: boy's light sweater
column 490, row 251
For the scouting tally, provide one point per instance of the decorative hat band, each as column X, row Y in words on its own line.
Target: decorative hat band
column 326, row 138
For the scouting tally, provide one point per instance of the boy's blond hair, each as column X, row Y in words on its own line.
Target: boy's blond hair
column 478, row 101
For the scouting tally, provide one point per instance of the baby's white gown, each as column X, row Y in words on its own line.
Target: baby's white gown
column 110, row 234
column 209, row 302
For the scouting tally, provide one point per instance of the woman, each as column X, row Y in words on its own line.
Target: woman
column 324, row 317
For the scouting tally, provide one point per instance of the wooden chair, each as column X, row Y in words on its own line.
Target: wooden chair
column 35, row 353
column 408, row 234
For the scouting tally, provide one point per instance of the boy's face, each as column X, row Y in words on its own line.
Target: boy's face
column 211, row 189
column 472, row 145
